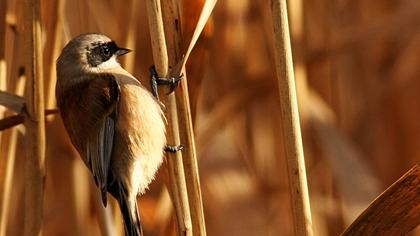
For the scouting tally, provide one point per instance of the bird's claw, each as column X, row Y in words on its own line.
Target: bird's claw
column 155, row 80
column 174, row 149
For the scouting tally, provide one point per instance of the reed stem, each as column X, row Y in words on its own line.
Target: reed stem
column 3, row 67
column 172, row 20
column 177, row 183
column 290, row 120
column 35, row 120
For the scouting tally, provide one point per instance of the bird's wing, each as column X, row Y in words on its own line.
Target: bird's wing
column 91, row 123
column 101, row 107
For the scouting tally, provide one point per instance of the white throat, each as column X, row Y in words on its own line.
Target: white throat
column 112, row 63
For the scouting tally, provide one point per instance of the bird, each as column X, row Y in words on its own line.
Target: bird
column 116, row 125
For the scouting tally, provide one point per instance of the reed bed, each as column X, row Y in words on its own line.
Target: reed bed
column 354, row 65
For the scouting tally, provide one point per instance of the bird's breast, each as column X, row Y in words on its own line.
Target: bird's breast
column 141, row 126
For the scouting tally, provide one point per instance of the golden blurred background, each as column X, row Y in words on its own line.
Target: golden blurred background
column 357, row 68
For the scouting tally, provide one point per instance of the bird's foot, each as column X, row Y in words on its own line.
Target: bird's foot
column 174, row 149
column 155, row 80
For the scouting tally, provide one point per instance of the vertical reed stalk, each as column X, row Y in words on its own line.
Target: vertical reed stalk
column 105, row 223
column 130, row 41
column 35, row 120
column 176, row 170
column 173, row 22
column 53, row 49
column 3, row 67
column 290, row 120
column 3, row 8
column 3, row 72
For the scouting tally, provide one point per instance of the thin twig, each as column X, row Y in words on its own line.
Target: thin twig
column 176, row 170
column 35, row 123
column 173, row 22
column 290, row 120
column 11, row 121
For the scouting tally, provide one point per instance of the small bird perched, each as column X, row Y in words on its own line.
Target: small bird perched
column 116, row 125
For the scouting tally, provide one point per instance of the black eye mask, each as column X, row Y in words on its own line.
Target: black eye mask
column 101, row 52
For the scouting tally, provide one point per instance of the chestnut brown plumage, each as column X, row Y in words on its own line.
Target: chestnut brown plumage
column 115, row 124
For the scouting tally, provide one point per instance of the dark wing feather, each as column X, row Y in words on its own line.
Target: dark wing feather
column 90, row 119
column 99, row 144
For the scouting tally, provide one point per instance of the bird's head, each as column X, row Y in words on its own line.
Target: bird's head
column 90, row 52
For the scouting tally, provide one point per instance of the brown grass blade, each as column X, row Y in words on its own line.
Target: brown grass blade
column 12, row 101
column 14, row 120
column 11, row 121
column 205, row 14
column 395, row 212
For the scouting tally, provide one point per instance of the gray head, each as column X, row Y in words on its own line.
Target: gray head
column 89, row 53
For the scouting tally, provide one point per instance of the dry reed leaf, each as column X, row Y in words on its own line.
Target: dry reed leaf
column 12, row 101
column 11, row 121
column 395, row 212
column 204, row 16
column 14, row 120
column 190, row 14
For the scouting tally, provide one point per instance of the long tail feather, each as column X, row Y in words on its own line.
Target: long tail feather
column 131, row 217
column 128, row 209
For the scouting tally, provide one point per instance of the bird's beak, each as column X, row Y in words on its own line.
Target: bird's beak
column 122, row 51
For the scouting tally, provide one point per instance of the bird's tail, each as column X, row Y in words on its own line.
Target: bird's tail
column 131, row 217
column 129, row 211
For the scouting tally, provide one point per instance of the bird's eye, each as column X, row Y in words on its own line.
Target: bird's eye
column 106, row 51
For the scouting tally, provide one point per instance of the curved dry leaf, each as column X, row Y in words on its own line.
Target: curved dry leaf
column 395, row 212
column 12, row 101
